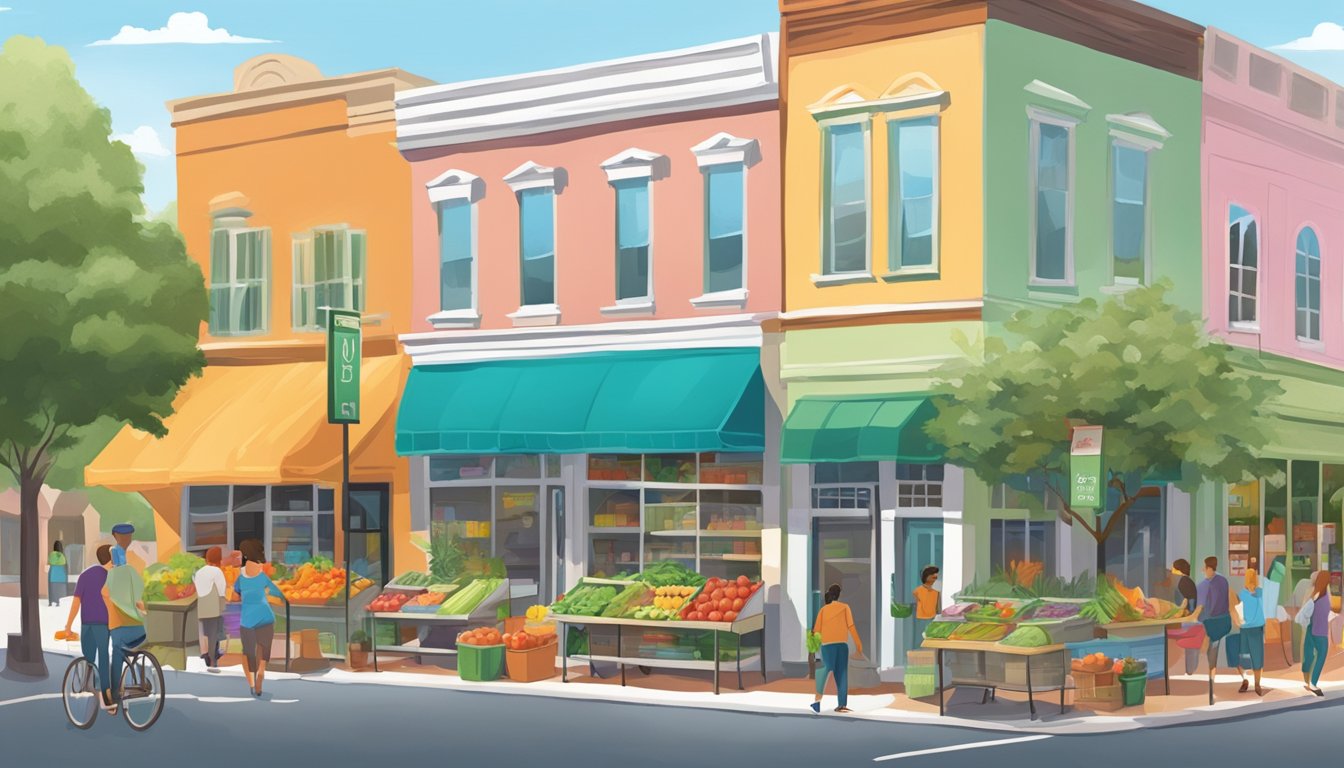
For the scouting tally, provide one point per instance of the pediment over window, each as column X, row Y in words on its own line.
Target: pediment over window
column 635, row 163
column 455, row 184
column 532, row 175
column 914, row 84
column 839, row 98
column 723, row 147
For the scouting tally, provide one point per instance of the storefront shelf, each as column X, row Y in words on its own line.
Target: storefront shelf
column 687, row 534
column 417, row 650
column 748, row 659
column 741, row 558
column 732, row 534
column 618, row 529
column 634, row 485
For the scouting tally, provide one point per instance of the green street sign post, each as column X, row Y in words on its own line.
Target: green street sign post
column 344, row 347
column 1086, row 490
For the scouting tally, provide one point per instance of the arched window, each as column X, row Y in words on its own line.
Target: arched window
column 1243, row 259
column 1308, row 284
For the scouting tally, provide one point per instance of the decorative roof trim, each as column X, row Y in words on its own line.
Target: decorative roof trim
column 723, row 148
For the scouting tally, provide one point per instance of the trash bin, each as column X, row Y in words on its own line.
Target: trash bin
column 1135, row 688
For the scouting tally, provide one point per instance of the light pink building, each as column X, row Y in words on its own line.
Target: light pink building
column 1274, row 203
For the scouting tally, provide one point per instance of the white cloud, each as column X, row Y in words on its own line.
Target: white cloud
column 1328, row 36
column 144, row 142
column 192, row 28
column 3, row 9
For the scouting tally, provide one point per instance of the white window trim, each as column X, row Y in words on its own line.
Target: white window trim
column 635, row 163
column 355, row 286
column 531, row 175
column 1244, row 326
column 628, row 165
column 233, row 222
column 724, row 148
column 893, row 237
column 733, row 298
column 1123, row 284
column 864, row 119
column 1138, row 129
column 535, row 314
column 1057, row 100
column 455, row 186
column 1036, row 117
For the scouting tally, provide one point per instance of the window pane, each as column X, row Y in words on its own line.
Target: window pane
column 537, row 233
column 913, row 153
column 846, row 245
column 292, row 538
column 845, row 472
column 539, row 281
column 207, row 499
column 518, row 531
column 724, row 189
column 455, row 255
column 1242, row 257
column 632, row 272
column 292, row 498
column 448, row 468
column 1130, row 194
column 632, row 238
column 1052, row 200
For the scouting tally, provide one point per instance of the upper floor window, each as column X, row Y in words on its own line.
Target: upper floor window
column 1129, row 212
column 633, row 276
column 535, row 187
column 240, row 268
column 919, row 485
column 1243, row 258
column 454, row 194
column 328, row 274
column 1308, row 285
column 913, row 194
column 1052, row 200
column 723, row 160
column 845, row 198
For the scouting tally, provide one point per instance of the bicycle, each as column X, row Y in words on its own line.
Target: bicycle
column 142, row 691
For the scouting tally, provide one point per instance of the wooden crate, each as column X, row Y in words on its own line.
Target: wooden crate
column 1087, row 683
column 1106, row 698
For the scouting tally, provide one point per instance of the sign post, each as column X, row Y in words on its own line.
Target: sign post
column 344, row 346
column 1086, row 489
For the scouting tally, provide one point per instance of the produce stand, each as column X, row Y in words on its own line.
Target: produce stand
column 168, row 625
column 1027, row 654
column 485, row 611
column 1146, row 628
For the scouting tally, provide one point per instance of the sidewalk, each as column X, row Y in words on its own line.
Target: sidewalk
column 1187, row 704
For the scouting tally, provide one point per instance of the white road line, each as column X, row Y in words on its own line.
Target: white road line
column 26, row 699
column 959, row 747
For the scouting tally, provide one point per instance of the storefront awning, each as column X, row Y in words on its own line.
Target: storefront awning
column 662, row 401
column 865, row 428
column 255, row 424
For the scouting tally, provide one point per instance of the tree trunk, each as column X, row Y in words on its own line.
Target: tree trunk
column 1101, row 557
column 25, row 649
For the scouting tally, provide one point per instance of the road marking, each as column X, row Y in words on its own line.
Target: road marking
column 959, row 747
column 26, row 699
column 191, row 696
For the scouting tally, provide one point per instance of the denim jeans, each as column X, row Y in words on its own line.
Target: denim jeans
column 93, row 640
column 1314, row 649
column 123, row 639
column 836, row 658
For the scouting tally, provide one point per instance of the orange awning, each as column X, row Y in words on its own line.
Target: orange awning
column 256, row 424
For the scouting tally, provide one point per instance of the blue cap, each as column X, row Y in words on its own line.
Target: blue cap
column 123, row 528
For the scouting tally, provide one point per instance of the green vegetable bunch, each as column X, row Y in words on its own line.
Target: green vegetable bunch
column 813, row 642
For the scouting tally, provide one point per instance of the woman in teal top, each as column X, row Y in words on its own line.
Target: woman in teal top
column 257, row 622
column 56, row 574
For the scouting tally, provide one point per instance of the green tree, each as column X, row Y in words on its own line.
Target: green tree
column 100, row 308
column 1172, row 403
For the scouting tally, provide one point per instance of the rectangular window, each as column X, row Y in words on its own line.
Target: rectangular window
column 913, row 200
column 536, row 211
column 1052, row 194
column 207, row 516
column 1308, row 286
column 919, row 485
column 1243, row 247
column 1021, row 540
column 457, row 255
column 725, row 214
column 294, row 522
column 240, row 261
column 845, row 230
column 1129, row 212
column 632, row 239
column 328, row 273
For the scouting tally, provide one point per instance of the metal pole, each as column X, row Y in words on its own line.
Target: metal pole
column 345, row 525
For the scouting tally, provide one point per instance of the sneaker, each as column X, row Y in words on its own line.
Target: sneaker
column 816, row 706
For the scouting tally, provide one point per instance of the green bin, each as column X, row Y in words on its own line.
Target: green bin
column 1134, row 688
column 480, row 663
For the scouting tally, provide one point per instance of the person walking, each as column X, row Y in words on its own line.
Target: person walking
column 928, row 600
column 835, row 624
column 1251, row 635
column 1187, row 596
column 57, row 574
column 1213, row 594
column 94, row 637
column 210, row 592
column 258, row 620
column 1316, row 642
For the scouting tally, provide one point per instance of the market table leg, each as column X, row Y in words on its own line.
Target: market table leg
column 374, row 643
column 1063, row 677
column 564, row 651
column 764, row 679
column 618, row 653
column 1166, row 662
column 940, row 682
column 739, row 662
column 716, row 662
column 1031, row 700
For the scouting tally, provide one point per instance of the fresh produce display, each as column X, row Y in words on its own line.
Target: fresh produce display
column 632, row 597
column 172, row 580
column 720, row 600
column 524, row 641
column 425, row 602
column 412, row 579
column 960, row 609
column 983, row 632
column 318, row 581
column 1055, row 611
column 940, row 630
column 1097, row 663
column 445, row 554
column 465, row 599
column 665, row 573
column 481, row 636
column 672, row 598
column 585, row 600
column 1001, row 611
column 653, row 613
column 1028, row 636
column 1117, row 603
column 1131, row 666
column 390, row 601
column 444, row 589
column 536, row 613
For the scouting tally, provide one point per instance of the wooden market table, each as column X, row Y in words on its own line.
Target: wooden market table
column 1027, row 654
column 1145, row 628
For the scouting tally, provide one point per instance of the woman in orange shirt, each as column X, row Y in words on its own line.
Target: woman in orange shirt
column 835, row 624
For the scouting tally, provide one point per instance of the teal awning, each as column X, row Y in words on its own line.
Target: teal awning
column 864, row 428
column 613, row 402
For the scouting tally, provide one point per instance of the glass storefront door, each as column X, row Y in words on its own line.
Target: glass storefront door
column 842, row 553
column 370, row 544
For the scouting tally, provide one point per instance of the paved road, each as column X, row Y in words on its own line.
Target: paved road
column 211, row 721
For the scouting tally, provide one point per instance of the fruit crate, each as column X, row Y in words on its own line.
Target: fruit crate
column 531, row 665
column 480, row 663
column 1087, row 683
column 1107, row 698
column 921, row 681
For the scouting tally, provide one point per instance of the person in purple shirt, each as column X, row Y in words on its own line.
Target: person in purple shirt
column 94, row 636
column 1214, row 614
column 1316, row 644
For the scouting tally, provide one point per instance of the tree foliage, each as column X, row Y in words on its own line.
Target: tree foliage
column 100, row 309
column 1170, row 398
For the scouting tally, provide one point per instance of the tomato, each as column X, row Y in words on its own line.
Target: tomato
column 738, row 603
column 717, row 595
column 725, row 604
column 730, row 616
column 715, row 616
column 730, row 593
column 743, row 581
column 702, row 599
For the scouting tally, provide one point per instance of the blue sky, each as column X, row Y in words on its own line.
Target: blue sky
column 450, row 40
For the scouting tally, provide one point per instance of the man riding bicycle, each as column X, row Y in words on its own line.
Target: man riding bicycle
column 123, row 594
column 88, row 604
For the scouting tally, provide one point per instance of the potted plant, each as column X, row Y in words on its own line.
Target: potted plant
column 359, row 649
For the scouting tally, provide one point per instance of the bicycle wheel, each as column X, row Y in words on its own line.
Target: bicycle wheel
column 142, row 691
column 80, row 694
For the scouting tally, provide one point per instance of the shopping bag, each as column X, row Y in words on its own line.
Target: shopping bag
column 1304, row 613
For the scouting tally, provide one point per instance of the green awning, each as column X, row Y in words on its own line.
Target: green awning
column 864, row 428
column 663, row 401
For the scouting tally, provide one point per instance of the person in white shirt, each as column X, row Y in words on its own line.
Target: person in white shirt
column 210, row 593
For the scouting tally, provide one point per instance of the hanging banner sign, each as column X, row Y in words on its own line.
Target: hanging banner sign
column 343, row 359
column 1086, row 489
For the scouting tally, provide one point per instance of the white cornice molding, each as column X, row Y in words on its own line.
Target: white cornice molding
column 1050, row 97
column 724, row 148
column 635, row 163
column 879, row 309
column 441, row 347
column 1138, row 128
column 454, row 184
column 725, row 74
column 532, row 175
